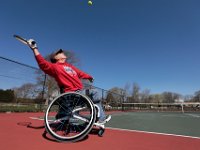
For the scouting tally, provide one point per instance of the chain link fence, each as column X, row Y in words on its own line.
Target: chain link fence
column 27, row 88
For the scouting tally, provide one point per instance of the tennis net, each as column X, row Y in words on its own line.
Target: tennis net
column 179, row 107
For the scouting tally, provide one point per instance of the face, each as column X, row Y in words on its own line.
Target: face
column 61, row 57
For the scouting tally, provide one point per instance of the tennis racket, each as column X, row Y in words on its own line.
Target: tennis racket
column 21, row 39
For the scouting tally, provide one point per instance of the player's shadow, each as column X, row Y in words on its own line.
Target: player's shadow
column 45, row 134
column 47, row 137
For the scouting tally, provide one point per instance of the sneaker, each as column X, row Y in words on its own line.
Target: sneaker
column 105, row 120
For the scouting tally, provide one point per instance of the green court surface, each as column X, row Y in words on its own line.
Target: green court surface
column 185, row 124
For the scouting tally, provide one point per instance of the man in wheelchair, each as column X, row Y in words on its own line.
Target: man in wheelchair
column 67, row 76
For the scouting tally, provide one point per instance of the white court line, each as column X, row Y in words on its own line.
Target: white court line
column 36, row 118
column 119, row 129
column 194, row 115
column 166, row 134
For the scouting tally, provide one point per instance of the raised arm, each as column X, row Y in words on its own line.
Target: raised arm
column 44, row 65
column 36, row 52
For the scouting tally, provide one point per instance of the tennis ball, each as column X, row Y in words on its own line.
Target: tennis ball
column 89, row 2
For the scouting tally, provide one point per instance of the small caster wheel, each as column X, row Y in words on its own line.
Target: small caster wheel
column 101, row 132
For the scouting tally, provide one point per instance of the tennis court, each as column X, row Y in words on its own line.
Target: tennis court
column 126, row 130
column 176, row 123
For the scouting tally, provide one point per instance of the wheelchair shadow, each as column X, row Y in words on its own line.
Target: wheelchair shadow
column 29, row 125
column 92, row 132
column 45, row 134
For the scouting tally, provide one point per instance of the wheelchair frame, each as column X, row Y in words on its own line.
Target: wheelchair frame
column 71, row 116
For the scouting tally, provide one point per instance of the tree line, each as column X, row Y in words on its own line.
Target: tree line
column 33, row 93
column 27, row 93
column 45, row 86
column 134, row 94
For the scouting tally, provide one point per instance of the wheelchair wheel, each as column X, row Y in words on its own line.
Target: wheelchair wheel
column 101, row 132
column 70, row 117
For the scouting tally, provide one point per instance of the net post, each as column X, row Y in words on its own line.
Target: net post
column 182, row 107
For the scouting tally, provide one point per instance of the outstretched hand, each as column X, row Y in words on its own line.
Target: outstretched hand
column 32, row 44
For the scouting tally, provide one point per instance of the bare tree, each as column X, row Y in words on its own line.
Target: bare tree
column 26, row 91
column 135, row 93
column 155, row 98
column 196, row 97
column 188, row 98
column 169, row 97
column 145, row 96
column 127, row 88
column 115, row 96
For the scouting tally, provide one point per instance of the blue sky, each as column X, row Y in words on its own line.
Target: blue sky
column 155, row 43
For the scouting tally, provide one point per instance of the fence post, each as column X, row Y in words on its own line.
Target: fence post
column 43, row 90
column 44, row 83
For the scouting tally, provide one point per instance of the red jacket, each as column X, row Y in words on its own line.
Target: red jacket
column 66, row 75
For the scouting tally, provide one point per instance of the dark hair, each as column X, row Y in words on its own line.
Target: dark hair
column 52, row 56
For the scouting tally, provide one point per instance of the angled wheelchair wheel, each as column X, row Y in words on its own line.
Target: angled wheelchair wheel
column 101, row 132
column 70, row 117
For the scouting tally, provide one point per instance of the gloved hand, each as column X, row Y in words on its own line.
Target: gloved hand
column 91, row 80
column 32, row 44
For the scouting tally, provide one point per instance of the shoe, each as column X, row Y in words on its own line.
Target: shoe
column 105, row 120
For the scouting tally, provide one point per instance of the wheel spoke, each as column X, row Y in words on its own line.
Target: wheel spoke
column 70, row 117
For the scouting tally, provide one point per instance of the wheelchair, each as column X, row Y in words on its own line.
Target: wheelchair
column 71, row 116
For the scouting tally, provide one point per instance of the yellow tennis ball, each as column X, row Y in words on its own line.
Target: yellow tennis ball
column 89, row 2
